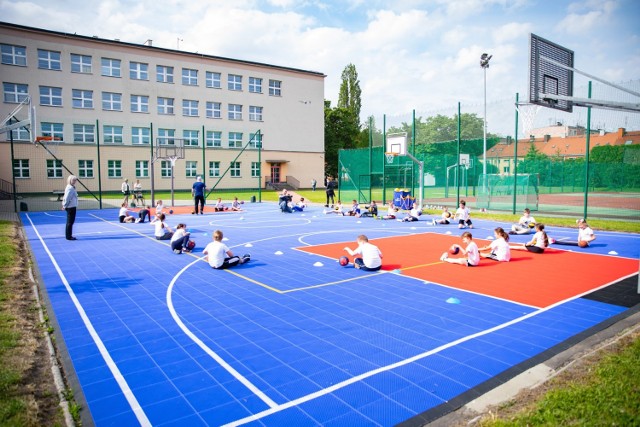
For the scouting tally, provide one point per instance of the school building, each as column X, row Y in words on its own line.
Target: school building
column 116, row 110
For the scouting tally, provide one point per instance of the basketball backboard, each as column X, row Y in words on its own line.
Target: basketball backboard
column 549, row 75
column 397, row 143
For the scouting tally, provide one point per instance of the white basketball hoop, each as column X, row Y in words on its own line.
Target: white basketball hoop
column 527, row 115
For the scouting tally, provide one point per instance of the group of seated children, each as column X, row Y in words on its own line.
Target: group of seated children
column 286, row 205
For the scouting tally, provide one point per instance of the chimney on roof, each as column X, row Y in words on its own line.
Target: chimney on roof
column 547, row 138
column 622, row 132
column 149, row 42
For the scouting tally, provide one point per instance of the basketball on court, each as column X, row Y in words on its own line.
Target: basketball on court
column 344, row 261
column 454, row 249
column 170, row 211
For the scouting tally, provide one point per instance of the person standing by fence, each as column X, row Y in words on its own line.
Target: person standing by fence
column 70, row 204
column 331, row 185
column 197, row 191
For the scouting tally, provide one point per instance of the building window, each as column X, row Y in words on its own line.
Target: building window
column 142, row 168
column 191, row 168
column 255, row 140
column 255, row 85
column 20, row 134
column 190, row 138
column 56, row 130
column 235, row 139
column 167, row 136
column 49, row 60
column 139, row 104
column 84, row 134
column 140, row 136
column 110, row 67
column 164, row 74
column 214, row 138
column 85, row 168
column 255, row 169
column 214, row 110
column 234, row 170
column 234, row 82
column 165, row 105
column 275, row 88
column 21, row 168
column 189, row 77
column 214, row 169
column 14, row 55
column 114, row 168
column 138, row 71
column 189, row 108
column 213, row 80
column 82, row 98
column 80, row 63
column 255, row 113
column 51, row 96
column 235, row 112
column 15, row 92
column 165, row 169
column 112, row 134
column 54, row 168
column 111, row 101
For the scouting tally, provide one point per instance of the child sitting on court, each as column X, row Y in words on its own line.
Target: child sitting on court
column 236, row 205
column 538, row 243
column 300, row 205
column 500, row 250
column 124, row 214
column 219, row 206
column 337, row 209
column 445, row 217
column 162, row 231
column 525, row 223
column 180, row 239
column 219, row 256
column 413, row 215
column 355, row 209
column 371, row 210
column 159, row 207
column 371, row 256
column 470, row 253
column 463, row 215
column 585, row 236
column 391, row 211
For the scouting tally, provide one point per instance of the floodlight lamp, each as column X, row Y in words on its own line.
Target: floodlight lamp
column 484, row 60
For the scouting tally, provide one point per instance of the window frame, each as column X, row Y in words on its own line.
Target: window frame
column 138, row 70
column 82, row 98
column 51, row 97
column 189, row 76
column 165, row 74
column 140, row 102
column 84, row 134
column 79, row 65
column 213, row 79
column 16, row 94
column 275, row 87
column 108, row 99
column 255, row 84
column 52, row 60
column 110, row 67
column 17, row 56
column 234, row 82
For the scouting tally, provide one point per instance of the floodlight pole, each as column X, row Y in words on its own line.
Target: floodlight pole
column 484, row 63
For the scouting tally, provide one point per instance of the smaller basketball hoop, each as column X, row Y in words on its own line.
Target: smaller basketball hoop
column 50, row 143
column 390, row 156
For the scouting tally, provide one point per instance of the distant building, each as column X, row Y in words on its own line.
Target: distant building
column 90, row 91
column 565, row 147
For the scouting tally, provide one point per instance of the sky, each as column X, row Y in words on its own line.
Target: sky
column 409, row 54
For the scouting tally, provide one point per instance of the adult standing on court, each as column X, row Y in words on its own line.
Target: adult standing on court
column 314, row 183
column 70, row 204
column 331, row 185
column 126, row 190
column 197, row 191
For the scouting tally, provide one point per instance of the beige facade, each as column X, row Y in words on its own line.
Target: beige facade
column 108, row 101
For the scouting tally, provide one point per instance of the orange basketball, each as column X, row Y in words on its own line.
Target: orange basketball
column 583, row 243
column 344, row 261
column 454, row 249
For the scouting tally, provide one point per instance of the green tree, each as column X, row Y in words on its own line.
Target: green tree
column 340, row 131
column 350, row 96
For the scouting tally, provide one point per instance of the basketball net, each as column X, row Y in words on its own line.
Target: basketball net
column 390, row 157
column 50, row 143
column 527, row 114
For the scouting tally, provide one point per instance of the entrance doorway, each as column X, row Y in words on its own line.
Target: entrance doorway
column 275, row 172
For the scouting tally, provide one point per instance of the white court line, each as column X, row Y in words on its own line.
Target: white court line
column 204, row 347
column 404, row 362
column 117, row 375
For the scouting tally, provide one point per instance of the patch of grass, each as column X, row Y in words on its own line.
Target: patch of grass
column 607, row 394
